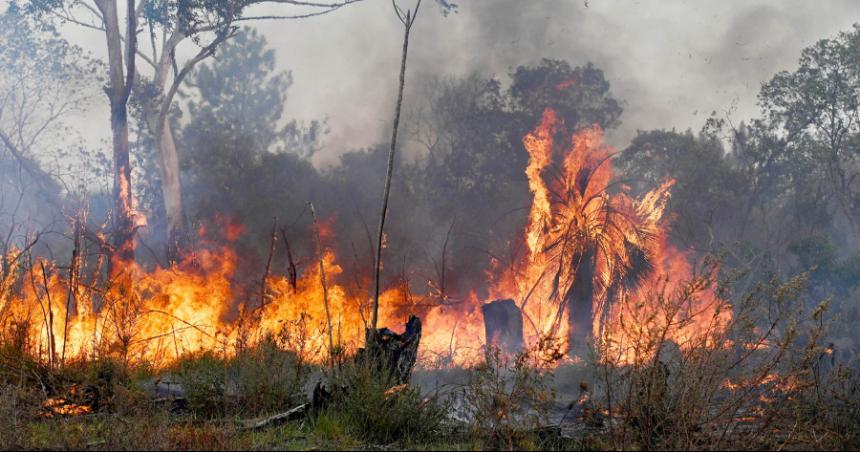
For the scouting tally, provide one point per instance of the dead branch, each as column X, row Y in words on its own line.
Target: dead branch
column 292, row 272
column 324, row 287
column 277, row 419
column 267, row 271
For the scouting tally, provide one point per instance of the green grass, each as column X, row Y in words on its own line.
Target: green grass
column 161, row 431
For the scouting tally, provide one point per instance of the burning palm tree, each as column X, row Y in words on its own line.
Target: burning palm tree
column 590, row 242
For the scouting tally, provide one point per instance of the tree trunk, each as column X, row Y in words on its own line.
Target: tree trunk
column 503, row 325
column 407, row 20
column 122, row 194
column 390, row 356
column 172, row 190
column 158, row 123
column 580, row 301
column 171, row 186
column 118, row 91
column 387, row 351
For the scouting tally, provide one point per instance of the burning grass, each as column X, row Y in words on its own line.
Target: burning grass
column 766, row 380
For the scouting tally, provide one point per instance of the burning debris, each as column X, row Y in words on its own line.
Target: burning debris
column 79, row 400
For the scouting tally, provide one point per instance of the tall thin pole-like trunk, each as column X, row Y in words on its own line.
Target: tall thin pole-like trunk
column 171, row 185
column 407, row 19
column 158, row 123
column 319, row 249
column 122, row 191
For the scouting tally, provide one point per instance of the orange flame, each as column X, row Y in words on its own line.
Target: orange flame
column 578, row 214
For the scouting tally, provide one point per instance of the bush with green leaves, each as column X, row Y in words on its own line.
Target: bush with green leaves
column 204, row 379
column 262, row 378
column 369, row 405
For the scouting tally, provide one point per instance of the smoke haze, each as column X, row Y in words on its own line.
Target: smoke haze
column 673, row 65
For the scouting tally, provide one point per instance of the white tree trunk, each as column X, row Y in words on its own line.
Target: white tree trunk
column 165, row 148
column 171, row 186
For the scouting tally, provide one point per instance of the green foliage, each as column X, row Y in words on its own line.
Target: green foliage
column 580, row 95
column 830, row 272
column 815, row 110
column 204, row 379
column 815, row 251
column 781, row 197
column 267, row 378
column 371, row 408
column 237, row 147
column 260, row 379
column 706, row 184
column 242, row 98
column 17, row 364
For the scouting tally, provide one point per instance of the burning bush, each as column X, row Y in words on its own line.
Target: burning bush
column 747, row 383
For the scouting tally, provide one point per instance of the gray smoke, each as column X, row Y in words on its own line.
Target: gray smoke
column 673, row 62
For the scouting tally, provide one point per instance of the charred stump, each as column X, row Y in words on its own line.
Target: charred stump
column 386, row 353
column 503, row 324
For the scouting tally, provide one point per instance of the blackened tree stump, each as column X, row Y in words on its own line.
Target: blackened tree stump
column 386, row 353
column 395, row 353
column 503, row 324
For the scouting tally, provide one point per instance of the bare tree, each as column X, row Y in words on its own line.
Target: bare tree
column 121, row 75
column 41, row 84
column 321, row 260
column 408, row 19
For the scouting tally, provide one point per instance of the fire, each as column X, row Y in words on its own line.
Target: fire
column 59, row 406
column 595, row 257
column 591, row 243
column 189, row 307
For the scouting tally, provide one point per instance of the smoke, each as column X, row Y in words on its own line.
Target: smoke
column 673, row 63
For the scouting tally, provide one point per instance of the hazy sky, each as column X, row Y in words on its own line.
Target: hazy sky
column 672, row 62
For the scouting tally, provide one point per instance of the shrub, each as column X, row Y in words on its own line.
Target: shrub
column 204, row 379
column 266, row 378
column 758, row 382
column 260, row 378
column 369, row 405
column 508, row 400
column 18, row 406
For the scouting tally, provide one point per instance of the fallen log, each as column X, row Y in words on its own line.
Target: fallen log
column 293, row 414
